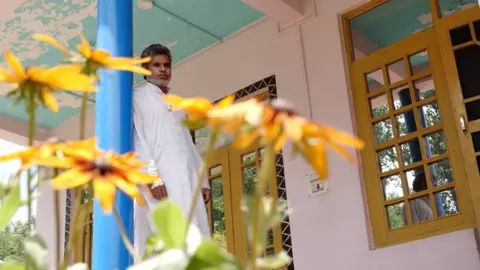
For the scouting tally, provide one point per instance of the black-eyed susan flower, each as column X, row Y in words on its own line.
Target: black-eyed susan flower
column 34, row 155
column 277, row 122
column 38, row 84
column 97, row 58
column 106, row 171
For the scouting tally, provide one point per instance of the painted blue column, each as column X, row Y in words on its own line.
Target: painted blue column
column 113, row 128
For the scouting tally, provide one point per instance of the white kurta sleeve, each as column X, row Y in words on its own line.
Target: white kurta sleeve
column 144, row 141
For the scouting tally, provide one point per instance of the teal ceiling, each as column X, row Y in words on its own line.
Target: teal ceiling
column 186, row 26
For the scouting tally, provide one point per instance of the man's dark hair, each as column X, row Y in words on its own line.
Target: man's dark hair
column 420, row 182
column 155, row 49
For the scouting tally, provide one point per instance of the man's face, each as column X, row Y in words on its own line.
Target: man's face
column 161, row 69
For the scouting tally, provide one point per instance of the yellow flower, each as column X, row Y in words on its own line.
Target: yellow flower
column 39, row 83
column 86, row 164
column 278, row 122
column 35, row 155
column 250, row 121
column 197, row 109
column 106, row 171
column 97, row 58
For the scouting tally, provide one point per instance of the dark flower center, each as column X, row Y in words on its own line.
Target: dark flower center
column 103, row 167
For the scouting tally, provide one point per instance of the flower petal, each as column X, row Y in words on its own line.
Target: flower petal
column 129, row 61
column 5, row 76
column 84, row 47
column 55, row 162
column 128, row 67
column 129, row 189
column 101, row 57
column 246, row 139
column 15, row 64
column 317, row 156
column 71, row 178
column 138, row 177
column 69, row 78
column 14, row 155
column 105, row 193
column 49, row 100
column 52, row 42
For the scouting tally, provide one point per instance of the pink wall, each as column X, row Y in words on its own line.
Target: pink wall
column 329, row 231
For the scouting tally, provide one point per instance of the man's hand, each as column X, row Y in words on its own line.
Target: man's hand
column 159, row 192
column 206, row 194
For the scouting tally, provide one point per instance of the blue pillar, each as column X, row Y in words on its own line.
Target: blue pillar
column 114, row 130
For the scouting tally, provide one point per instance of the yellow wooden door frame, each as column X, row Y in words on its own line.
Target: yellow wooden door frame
column 221, row 159
column 401, row 50
column 237, row 165
column 443, row 27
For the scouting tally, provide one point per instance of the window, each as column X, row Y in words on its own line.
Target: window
column 414, row 173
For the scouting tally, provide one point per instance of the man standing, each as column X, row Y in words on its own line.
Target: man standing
column 161, row 139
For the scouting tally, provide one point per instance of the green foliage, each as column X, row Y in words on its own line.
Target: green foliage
column 10, row 204
column 170, row 224
column 11, row 241
column 170, row 249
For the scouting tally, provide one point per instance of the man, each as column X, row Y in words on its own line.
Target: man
column 420, row 208
column 161, row 139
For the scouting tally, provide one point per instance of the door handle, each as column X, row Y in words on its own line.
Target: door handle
column 463, row 124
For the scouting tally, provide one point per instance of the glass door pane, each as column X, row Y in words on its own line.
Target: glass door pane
column 219, row 208
column 245, row 165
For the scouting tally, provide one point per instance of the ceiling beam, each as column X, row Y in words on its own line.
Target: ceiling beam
column 283, row 11
column 13, row 130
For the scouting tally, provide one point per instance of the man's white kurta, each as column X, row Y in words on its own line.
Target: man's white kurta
column 159, row 136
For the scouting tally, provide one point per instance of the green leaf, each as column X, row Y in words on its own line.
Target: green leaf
column 172, row 259
column 12, row 266
column 9, row 206
column 78, row 266
column 170, row 224
column 154, row 244
column 208, row 256
column 36, row 252
column 274, row 262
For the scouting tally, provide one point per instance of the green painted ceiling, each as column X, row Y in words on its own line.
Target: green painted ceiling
column 186, row 26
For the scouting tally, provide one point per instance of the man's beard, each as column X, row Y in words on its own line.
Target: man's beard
column 158, row 82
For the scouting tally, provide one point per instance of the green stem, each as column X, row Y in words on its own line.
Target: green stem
column 57, row 221
column 83, row 115
column 201, row 176
column 266, row 172
column 123, row 234
column 31, row 136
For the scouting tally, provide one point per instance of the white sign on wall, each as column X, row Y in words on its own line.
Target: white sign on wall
column 315, row 185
